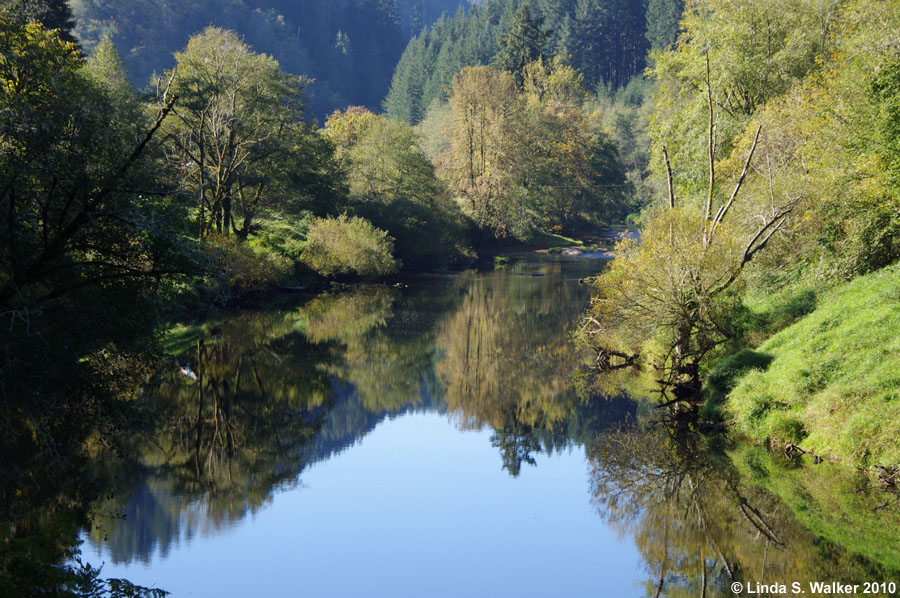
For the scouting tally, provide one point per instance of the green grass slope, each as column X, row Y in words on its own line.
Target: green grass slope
column 833, row 383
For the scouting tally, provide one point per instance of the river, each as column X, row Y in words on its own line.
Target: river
column 430, row 439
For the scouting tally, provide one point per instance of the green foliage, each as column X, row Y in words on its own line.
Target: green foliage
column 668, row 297
column 834, row 373
column 886, row 96
column 756, row 50
column 234, row 269
column 384, row 161
column 521, row 45
column 285, row 236
column 348, row 246
column 662, row 22
column 825, row 110
column 804, row 84
column 238, row 141
column 88, row 246
column 53, row 15
column 350, row 47
column 393, row 185
column 521, row 161
column 502, row 32
column 432, row 139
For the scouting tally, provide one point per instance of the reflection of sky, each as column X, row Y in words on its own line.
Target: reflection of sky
column 420, row 509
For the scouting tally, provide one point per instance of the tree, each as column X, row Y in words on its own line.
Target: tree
column 394, row 186
column 662, row 22
column 382, row 157
column 71, row 172
column 239, row 117
column 404, row 99
column 522, row 44
column 485, row 110
column 88, row 243
column 759, row 50
column 526, row 160
column 669, row 295
column 54, row 15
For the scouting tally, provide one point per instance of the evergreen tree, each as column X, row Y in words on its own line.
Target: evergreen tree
column 662, row 22
column 522, row 44
column 604, row 39
column 404, row 100
column 349, row 47
column 589, row 19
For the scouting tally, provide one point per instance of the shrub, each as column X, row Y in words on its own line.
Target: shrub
column 235, row 269
column 348, row 246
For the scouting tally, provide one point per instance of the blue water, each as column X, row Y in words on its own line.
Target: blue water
column 417, row 508
column 428, row 440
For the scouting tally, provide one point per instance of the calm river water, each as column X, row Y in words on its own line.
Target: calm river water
column 429, row 441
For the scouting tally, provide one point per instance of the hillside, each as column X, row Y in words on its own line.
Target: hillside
column 606, row 40
column 349, row 47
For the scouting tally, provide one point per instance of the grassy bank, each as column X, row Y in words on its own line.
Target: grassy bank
column 831, row 381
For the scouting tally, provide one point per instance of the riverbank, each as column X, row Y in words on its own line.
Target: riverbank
column 829, row 382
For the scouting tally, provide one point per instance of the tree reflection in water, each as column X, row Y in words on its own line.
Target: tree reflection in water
column 223, row 443
column 278, row 391
column 699, row 525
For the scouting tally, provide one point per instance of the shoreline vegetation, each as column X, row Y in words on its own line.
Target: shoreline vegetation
column 762, row 296
column 756, row 156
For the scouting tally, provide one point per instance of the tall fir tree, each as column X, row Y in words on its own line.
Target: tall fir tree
column 662, row 22
column 522, row 44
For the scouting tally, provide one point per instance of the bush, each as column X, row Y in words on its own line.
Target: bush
column 283, row 235
column 348, row 246
column 235, row 269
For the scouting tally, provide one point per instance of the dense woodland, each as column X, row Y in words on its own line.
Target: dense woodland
column 773, row 136
column 349, row 47
column 606, row 40
column 160, row 159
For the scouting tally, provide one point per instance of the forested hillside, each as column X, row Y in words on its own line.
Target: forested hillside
column 415, row 15
column 349, row 47
column 606, row 40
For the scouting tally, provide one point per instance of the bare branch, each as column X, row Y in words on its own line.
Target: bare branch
column 711, row 147
column 720, row 215
column 669, row 178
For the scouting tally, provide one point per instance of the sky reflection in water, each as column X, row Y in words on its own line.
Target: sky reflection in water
column 395, row 496
column 416, row 509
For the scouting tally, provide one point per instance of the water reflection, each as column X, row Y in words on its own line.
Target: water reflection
column 701, row 526
column 223, row 442
column 279, row 391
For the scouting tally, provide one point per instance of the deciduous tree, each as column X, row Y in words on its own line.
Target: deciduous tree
column 238, row 120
